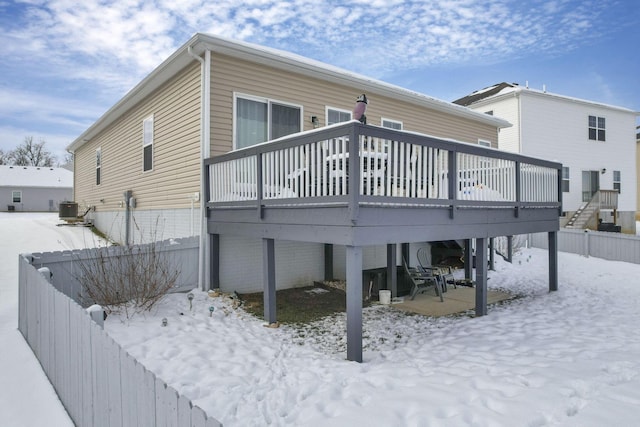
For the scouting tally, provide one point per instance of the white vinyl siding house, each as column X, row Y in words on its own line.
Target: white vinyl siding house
column 590, row 139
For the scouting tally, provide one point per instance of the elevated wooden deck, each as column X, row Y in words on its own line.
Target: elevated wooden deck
column 400, row 187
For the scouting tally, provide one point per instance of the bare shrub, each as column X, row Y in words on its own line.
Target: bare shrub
column 127, row 279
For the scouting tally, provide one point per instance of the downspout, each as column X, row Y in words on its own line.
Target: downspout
column 205, row 152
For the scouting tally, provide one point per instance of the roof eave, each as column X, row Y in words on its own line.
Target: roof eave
column 272, row 57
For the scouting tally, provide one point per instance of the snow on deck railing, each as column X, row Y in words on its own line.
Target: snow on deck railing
column 390, row 164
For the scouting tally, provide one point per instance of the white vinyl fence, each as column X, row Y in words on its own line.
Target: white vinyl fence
column 98, row 382
column 599, row 244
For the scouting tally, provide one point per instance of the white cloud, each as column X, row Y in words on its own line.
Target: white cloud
column 109, row 46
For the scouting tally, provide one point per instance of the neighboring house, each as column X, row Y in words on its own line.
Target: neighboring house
column 34, row 188
column 593, row 141
column 183, row 154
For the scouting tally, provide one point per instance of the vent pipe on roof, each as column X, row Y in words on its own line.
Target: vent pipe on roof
column 544, row 88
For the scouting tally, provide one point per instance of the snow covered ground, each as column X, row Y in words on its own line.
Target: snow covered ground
column 571, row 357
column 26, row 396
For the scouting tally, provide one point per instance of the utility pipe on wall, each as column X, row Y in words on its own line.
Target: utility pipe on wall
column 205, row 152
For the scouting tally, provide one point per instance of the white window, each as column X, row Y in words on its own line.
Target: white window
column 147, row 144
column 260, row 119
column 391, row 124
column 16, row 196
column 484, row 143
column 565, row 179
column 335, row 115
column 98, row 165
column 616, row 180
column 596, row 128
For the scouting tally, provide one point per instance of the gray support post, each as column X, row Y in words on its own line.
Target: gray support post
column 492, row 260
column 510, row 249
column 269, row 279
column 481, row 277
column 468, row 260
column 328, row 261
column 553, row 261
column 214, row 261
column 392, row 269
column 354, row 303
column 405, row 249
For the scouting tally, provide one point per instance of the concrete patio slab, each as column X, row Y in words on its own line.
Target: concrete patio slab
column 455, row 301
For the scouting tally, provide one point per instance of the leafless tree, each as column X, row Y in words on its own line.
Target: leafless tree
column 3, row 158
column 31, row 153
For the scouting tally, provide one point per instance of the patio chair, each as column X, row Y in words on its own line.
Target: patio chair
column 421, row 282
column 443, row 274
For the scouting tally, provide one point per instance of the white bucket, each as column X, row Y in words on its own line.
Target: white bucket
column 385, row 297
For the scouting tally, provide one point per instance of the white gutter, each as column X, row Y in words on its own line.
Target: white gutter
column 205, row 152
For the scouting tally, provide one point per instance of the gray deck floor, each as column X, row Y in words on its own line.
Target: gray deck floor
column 455, row 301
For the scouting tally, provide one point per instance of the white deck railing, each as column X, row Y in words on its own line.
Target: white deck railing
column 410, row 167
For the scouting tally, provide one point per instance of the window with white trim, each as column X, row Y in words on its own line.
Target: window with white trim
column 335, row 115
column 616, row 180
column 147, row 143
column 98, row 165
column 16, row 196
column 261, row 119
column 565, row 179
column 391, row 124
column 596, row 128
column 484, row 143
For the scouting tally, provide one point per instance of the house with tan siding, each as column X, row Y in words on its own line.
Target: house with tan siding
column 249, row 148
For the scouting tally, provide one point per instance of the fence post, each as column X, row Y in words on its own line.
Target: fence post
column 46, row 273
column 97, row 314
column 586, row 243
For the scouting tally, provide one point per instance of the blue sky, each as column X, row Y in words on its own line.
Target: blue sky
column 63, row 63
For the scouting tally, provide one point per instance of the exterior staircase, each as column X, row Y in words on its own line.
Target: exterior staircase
column 602, row 199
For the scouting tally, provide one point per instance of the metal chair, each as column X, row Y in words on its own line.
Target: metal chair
column 420, row 282
column 443, row 274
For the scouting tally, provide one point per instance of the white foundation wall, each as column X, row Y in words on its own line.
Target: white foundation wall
column 297, row 264
column 147, row 225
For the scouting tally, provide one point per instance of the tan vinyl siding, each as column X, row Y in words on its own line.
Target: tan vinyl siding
column 229, row 75
column 176, row 151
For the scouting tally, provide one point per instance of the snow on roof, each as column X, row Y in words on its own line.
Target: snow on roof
column 35, row 176
column 502, row 89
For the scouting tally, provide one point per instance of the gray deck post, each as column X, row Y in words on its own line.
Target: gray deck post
column 492, row 261
column 553, row 261
column 214, row 261
column 468, row 260
column 328, row 261
column 354, row 303
column 269, row 279
column 481, row 277
column 510, row 249
column 392, row 269
column 405, row 249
